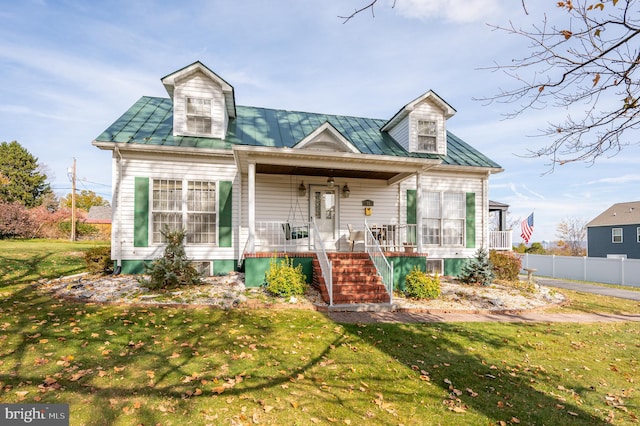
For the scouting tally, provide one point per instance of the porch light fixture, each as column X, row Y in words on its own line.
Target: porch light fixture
column 346, row 191
column 302, row 190
column 331, row 182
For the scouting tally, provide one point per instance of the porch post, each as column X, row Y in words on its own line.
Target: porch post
column 251, row 207
column 419, row 212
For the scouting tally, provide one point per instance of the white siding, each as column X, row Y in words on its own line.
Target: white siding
column 400, row 132
column 427, row 110
column 199, row 85
column 180, row 167
column 453, row 182
column 277, row 195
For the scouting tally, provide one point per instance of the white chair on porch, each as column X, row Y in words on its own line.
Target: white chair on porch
column 354, row 236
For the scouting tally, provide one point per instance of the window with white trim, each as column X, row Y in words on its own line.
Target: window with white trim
column 638, row 234
column 199, row 115
column 444, row 221
column 193, row 210
column 616, row 235
column 427, row 136
column 166, row 208
column 201, row 212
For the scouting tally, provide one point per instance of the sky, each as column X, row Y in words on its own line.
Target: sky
column 68, row 69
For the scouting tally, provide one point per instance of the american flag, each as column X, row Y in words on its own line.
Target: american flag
column 527, row 228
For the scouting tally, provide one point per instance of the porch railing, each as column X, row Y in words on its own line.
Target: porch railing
column 394, row 237
column 284, row 236
column 323, row 259
column 384, row 268
column 500, row 240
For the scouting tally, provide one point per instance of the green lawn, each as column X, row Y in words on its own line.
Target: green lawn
column 127, row 365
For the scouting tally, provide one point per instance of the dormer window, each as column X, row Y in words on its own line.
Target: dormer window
column 199, row 116
column 427, row 136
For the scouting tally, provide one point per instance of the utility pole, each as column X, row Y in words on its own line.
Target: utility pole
column 73, row 201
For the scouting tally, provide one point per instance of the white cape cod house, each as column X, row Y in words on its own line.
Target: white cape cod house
column 248, row 183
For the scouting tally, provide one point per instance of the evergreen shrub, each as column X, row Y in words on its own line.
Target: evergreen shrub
column 174, row 268
column 477, row 269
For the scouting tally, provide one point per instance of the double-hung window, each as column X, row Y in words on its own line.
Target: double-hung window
column 199, row 115
column 616, row 235
column 184, row 204
column 166, row 210
column 201, row 212
column 444, row 220
column 427, row 136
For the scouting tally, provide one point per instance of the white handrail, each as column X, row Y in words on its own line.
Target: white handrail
column 383, row 267
column 323, row 259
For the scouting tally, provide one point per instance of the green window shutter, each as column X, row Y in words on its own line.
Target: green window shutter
column 411, row 206
column 471, row 220
column 412, row 213
column 225, row 218
column 141, row 212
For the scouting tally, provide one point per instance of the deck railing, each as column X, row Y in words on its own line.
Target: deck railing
column 394, row 237
column 384, row 268
column 500, row 240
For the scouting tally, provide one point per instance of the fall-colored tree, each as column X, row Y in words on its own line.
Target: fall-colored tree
column 24, row 181
column 85, row 200
column 535, row 248
column 572, row 233
column 15, row 221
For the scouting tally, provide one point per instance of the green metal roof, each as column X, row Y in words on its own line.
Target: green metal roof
column 150, row 122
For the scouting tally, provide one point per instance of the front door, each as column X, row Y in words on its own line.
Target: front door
column 324, row 211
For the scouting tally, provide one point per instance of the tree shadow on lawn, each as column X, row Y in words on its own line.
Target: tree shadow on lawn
column 105, row 359
column 456, row 359
column 32, row 269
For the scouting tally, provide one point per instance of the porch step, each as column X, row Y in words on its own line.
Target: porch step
column 363, row 307
column 355, row 280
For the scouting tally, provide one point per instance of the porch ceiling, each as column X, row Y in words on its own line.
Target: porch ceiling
column 276, row 169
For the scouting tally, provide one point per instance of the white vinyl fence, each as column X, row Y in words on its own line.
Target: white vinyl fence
column 595, row 269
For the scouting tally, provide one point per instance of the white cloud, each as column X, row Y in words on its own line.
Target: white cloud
column 451, row 10
column 624, row 179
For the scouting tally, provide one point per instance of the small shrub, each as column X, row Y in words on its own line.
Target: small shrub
column 15, row 221
column 506, row 265
column 98, row 260
column 283, row 279
column 419, row 285
column 477, row 270
column 82, row 229
column 173, row 269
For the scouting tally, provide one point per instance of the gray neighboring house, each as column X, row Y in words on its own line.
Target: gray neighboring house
column 99, row 215
column 615, row 232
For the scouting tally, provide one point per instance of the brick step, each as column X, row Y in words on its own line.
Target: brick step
column 346, row 255
column 355, row 268
column 354, row 287
column 355, row 279
column 339, row 299
column 361, row 281
column 355, row 273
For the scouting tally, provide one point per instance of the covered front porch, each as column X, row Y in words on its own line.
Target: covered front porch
column 321, row 202
column 345, row 196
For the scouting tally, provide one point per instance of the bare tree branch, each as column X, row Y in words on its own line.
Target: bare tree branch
column 589, row 66
column 362, row 9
